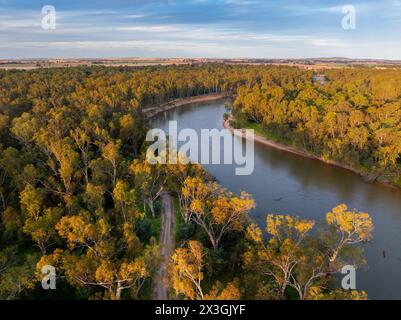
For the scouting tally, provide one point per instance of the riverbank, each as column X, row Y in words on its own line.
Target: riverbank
column 291, row 149
column 287, row 183
column 153, row 111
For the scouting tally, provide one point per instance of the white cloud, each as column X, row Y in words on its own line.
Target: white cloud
column 99, row 32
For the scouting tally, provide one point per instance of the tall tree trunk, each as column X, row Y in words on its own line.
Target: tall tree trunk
column 118, row 292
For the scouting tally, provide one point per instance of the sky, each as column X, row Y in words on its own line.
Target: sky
column 201, row 28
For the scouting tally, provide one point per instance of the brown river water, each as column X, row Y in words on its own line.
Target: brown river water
column 286, row 183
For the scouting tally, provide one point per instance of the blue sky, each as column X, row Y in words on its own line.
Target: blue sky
column 201, row 28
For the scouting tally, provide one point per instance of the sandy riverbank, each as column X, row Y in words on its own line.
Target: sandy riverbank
column 302, row 153
column 153, row 111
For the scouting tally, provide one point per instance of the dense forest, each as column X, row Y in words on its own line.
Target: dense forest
column 352, row 117
column 76, row 192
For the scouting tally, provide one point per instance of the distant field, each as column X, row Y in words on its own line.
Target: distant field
column 116, row 63
column 142, row 62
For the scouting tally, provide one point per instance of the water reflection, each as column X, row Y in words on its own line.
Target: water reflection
column 287, row 183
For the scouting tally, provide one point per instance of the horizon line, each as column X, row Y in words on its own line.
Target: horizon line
column 197, row 58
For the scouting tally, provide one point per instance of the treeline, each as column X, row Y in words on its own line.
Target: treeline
column 77, row 194
column 74, row 191
column 224, row 256
column 113, row 88
column 354, row 118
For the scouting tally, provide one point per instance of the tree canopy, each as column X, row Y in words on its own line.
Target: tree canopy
column 77, row 194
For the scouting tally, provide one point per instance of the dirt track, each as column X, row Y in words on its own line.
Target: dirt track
column 160, row 290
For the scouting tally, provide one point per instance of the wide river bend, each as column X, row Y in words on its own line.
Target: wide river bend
column 286, row 183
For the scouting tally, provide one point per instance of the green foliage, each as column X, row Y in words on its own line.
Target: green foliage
column 354, row 119
column 75, row 191
column 148, row 228
column 397, row 181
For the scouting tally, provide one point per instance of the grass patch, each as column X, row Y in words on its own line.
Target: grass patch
column 261, row 130
column 397, row 181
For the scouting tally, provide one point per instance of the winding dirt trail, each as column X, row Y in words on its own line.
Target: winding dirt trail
column 160, row 290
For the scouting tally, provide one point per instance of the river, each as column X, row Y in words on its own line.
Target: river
column 286, row 183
